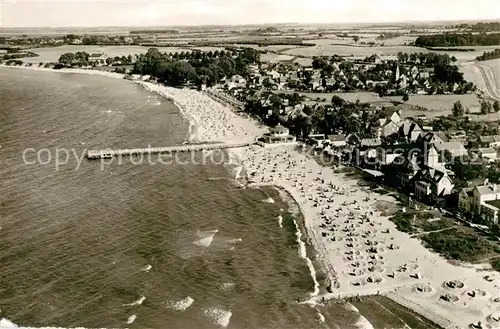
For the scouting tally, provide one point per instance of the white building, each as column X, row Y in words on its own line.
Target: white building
column 337, row 140
column 98, row 58
column 278, row 135
column 429, row 180
column 486, row 202
column 489, row 154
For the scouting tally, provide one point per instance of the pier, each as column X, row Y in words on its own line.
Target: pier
column 103, row 154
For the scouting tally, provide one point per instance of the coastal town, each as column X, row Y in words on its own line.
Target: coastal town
column 395, row 201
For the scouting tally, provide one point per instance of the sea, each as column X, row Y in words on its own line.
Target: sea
column 139, row 244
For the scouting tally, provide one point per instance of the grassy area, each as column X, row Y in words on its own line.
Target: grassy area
column 414, row 222
column 460, row 244
column 495, row 263
column 452, row 241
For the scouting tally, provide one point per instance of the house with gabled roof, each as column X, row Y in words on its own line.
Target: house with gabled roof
column 410, row 130
column 465, row 197
column 434, row 137
column 431, row 180
column 456, row 149
column 337, row 140
column 489, row 141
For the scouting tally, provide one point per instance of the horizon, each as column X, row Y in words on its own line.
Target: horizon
column 268, row 24
column 198, row 13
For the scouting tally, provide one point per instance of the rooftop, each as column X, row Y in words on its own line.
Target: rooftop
column 488, row 189
column 494, row 203
column 279, row 129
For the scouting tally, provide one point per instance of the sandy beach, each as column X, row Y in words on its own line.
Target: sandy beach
column 361, row 251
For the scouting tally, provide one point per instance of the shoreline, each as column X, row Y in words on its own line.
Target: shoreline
column 367, row 249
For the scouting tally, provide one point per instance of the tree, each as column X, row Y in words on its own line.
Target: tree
column 486, row 107
column 406, row 98
column 496, row 106
column 458, row 110
column 355, row 38
column 67, row 58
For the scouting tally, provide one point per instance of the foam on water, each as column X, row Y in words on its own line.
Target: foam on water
column 137, row 302
column 147, row 268
column 227, row 286
column 351, row 307
column 220, row 317
column 206, row 238
column 363, row 323
column 321, row 317
column 303, row 254
column 280, row 220
column 237, row 172
column 234, row 240
column 268, row 200
column 181, row 305
column 131, row 319
column 4, row 323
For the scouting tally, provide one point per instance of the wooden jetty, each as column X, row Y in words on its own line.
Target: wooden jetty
column 103, row 154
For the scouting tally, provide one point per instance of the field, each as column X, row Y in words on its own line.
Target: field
column 363, row 96
column 52, row 54
column 275, row 58
column 350, row 50
column 303, row 61
column 485, row 75
column 438, row 104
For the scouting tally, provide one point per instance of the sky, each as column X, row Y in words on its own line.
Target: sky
column 82, row 13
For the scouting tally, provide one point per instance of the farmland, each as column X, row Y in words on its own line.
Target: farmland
column 437, row 105
column 351, row 50
column 275, row 58
column 52, row 54
column 486, row 76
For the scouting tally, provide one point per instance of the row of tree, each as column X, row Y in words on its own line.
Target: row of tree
column 489, row 55
column 486, row 107
column 197, row 69
column 480, row 27
column 80, row 58
column 458, row 39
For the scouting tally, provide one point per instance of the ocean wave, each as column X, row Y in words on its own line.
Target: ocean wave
column 234, row 240
column 206, row 238
column 303, row 254
column 218, row 316
column 137, row 302
column 227, row 285
column 280, row 220
column 131, row 319
column 350, row 307
column 320, row 317
column 181, row 305
column 363, row 323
